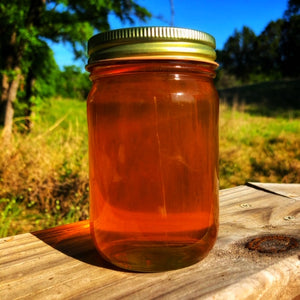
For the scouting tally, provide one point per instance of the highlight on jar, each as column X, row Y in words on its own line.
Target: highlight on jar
column 153, row 116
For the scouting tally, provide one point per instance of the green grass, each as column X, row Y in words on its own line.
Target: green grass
column 44, row 174
column 258, row 148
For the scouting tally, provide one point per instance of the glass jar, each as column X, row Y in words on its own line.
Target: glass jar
column 153, row 147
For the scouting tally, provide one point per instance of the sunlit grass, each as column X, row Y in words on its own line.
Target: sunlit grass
column 257, row 148
column 44, row 173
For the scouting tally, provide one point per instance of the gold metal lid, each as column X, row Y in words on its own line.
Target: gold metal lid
column 152, row 43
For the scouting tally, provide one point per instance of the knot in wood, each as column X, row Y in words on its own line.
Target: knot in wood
column 272, row 244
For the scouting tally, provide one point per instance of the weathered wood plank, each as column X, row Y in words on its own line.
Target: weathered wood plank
column 61, row 263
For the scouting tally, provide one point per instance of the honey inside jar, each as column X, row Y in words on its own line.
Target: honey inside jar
column 153, row 150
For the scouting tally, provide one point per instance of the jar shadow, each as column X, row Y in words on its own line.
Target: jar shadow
column 74, row 240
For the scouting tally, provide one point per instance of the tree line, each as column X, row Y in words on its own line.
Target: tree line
column 272, row 55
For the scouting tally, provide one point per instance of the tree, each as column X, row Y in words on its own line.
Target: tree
column 73, row 83
column 293, row 9
column 269, row 57
column 290, row 41
column 26, row 24
column 40, row 80
column 238, row 55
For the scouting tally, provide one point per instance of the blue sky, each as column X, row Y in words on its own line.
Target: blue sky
column 217, row 17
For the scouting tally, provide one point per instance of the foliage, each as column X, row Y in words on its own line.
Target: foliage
column 71, row 21
column 69, row 83
column 293, row 8
column 290, row 46
column 237, row 55
column 40, row 82
column 72, row 83
column 10, row 210
column 45, row 71
column 272, row 55
column 26, row 26
column 268, row 56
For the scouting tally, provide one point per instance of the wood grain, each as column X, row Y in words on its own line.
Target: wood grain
column 61, row 263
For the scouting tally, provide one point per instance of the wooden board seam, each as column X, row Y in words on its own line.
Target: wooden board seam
column 260, row 188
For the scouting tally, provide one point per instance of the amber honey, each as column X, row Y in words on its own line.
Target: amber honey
column 153, row 150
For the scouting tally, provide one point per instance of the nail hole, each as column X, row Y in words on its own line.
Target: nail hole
column 289, row 218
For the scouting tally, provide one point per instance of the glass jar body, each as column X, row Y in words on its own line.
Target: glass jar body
column 153, row 151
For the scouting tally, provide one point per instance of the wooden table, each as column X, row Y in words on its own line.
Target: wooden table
column 61, row 263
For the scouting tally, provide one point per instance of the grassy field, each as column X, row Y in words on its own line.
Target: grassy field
column 44, row 174
column 258, row 148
